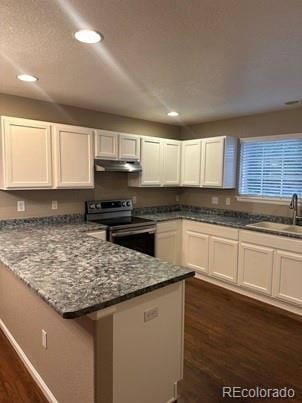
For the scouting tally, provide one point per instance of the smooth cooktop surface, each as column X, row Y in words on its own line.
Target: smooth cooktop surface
column 124, row 222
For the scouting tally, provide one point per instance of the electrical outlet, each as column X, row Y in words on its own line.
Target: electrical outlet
column 44, row 338
column 54, row 205
column 20, row 205
column 177, row 198
column 134, row 199
column 150, row 314
column 215, row 200
column 227, row 201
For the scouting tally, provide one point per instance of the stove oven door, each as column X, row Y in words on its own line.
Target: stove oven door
column 140, row 239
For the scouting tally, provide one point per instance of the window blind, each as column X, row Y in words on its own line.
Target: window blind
column 271, row 168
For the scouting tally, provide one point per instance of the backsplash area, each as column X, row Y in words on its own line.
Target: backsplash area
column 107, row 185
column 203, row 198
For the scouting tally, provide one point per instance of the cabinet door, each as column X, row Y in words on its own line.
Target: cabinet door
column 106, row 144
column 151, row 160
column 191, row 154
column 256, row 267
column 27, row 154
column 212, row 162
column 171, row 162
column 196, row 251
column 288, row 277
column 129, row 147
column 73, row 157
column 167, row 246
column 223, row 259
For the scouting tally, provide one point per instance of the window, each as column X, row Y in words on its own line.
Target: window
column 271, row 167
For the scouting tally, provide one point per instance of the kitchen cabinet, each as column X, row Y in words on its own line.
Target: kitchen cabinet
column 26, row 154
column 151, row 161
column 219, row 162
column 106, row 144
column 191, row 158
column 171, row 163
column 167, row 242
column 211, row 249
column 73, row 157
column 256, row 267
column 288, row 277
column 129, row 147
column 196, row 251
column 223, row 256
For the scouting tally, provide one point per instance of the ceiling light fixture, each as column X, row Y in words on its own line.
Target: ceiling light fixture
column 88, row 36
column 173, row 113
column 27, row 77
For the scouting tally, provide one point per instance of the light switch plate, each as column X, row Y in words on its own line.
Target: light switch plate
column 21, row 205
column 215, row 200
column 227, row 201
column 54, row 205
column 134, row 199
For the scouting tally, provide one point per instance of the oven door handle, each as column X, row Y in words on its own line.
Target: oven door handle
column 133, row 232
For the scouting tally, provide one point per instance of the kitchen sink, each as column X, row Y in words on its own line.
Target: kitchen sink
column 274, row 226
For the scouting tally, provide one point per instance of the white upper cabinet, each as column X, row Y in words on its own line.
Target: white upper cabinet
column 191, row 155
column 129, row 147
column 171, row 163
column 219, row 162
column 73, row 157
column 106, row 144
column 26, row 157
column 151, row 159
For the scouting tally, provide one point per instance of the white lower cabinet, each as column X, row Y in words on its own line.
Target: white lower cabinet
column 256, row 267
column 196, row 251
column 287, row 284
column 168, row 241
column 223, row 259
column 264, row 266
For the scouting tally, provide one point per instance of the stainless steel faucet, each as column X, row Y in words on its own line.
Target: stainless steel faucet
column 294, row 206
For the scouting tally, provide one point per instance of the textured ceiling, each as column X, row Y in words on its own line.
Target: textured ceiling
column 207, row 59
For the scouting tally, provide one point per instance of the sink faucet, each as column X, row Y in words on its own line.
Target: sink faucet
column 294, row 206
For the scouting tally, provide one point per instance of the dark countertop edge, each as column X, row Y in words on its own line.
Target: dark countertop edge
column 123, row 298
column 226, row 224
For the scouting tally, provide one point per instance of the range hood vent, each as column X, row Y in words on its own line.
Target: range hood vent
column 117, row 166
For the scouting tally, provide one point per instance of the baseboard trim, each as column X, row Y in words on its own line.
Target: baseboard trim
column 253, row 295
column 34, row 373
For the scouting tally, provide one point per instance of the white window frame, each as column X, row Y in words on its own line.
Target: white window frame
column 266, row 199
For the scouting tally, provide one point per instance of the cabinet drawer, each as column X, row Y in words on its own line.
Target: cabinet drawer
column 212, row 229
column 166, row 226
column 272, row 241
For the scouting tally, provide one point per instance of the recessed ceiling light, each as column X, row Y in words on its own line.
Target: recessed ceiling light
column 173, row 113
column 88, row 36
column 27, row 77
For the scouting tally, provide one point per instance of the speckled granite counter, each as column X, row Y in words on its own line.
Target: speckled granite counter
column 75, row 273
column 228, row 219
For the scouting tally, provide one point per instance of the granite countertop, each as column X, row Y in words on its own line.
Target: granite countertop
column 77, row 274
column 235, row 221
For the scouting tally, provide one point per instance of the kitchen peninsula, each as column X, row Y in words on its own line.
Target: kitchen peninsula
column 92, row 321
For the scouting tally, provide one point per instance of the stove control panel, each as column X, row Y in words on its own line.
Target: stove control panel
column 103, row 206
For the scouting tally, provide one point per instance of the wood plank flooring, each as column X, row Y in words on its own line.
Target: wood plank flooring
column 233, row 340
column 229, row 340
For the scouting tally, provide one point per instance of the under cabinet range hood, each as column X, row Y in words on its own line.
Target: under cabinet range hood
column 102, row 165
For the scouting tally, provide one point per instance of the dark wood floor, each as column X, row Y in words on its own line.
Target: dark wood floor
column 229, row 340
column 234, row 340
